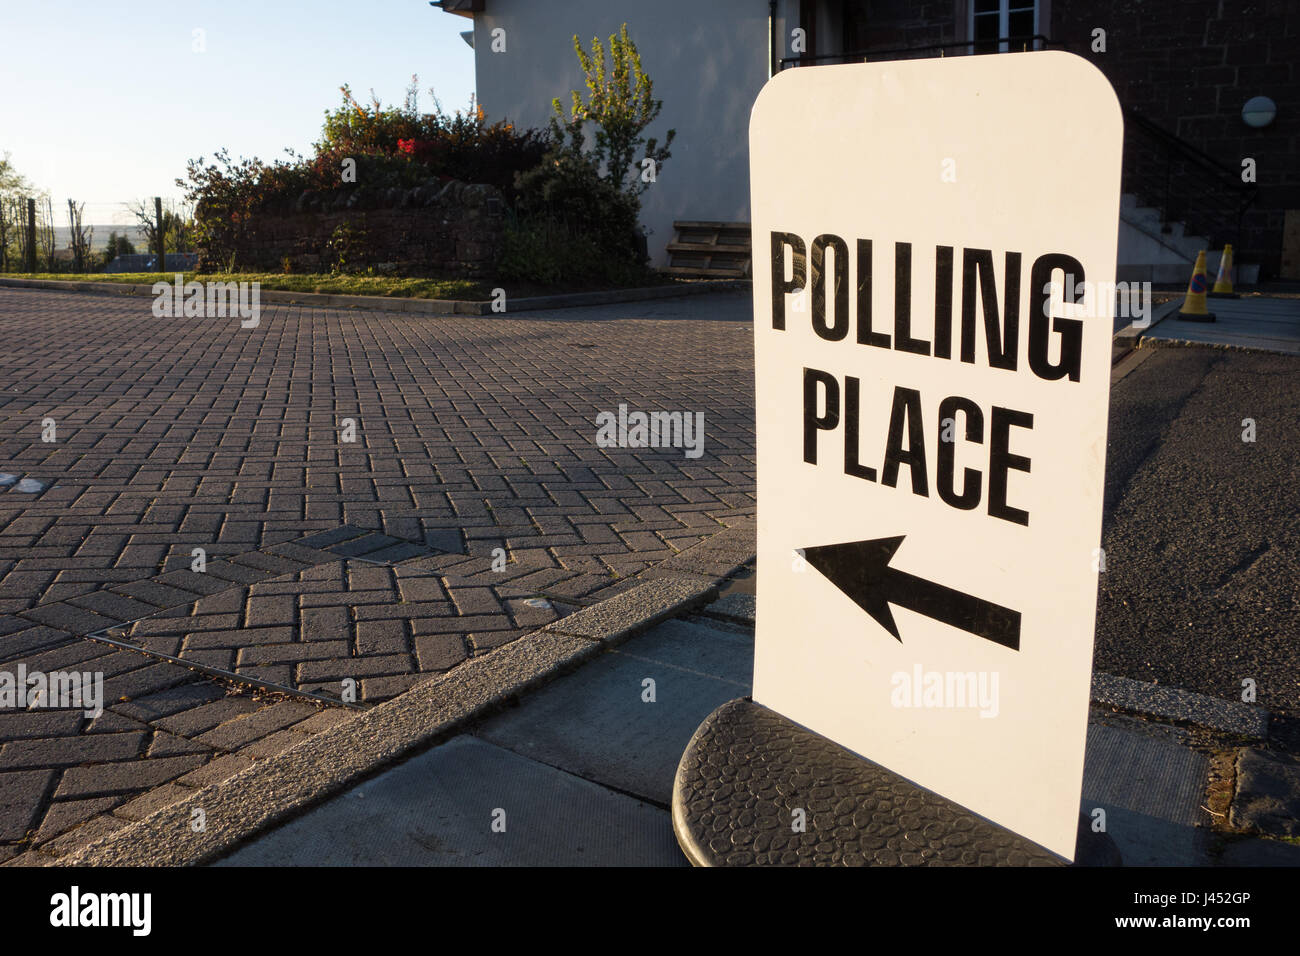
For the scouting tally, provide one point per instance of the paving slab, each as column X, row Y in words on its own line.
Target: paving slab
column 470, row 803
column 719, row 650
column 1151, row 787
column 599, row 723
column 1254, row 323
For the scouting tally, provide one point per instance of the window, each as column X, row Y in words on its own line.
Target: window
column 994, row 22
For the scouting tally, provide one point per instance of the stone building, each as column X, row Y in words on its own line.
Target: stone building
column 1198, row 81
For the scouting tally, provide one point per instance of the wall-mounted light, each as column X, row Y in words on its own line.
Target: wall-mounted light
column 1258, row 112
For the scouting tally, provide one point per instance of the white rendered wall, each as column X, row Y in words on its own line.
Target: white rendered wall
column 708, row 60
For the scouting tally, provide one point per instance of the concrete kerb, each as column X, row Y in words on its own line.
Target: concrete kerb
column 282, row 785
column 713, row 559
column 1130, row 337
column 623, row 615
column 412, row 305
column 1171, row 703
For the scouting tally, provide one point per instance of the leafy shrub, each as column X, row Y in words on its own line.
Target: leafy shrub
column 572, row 225
column 469, row 149
column 573, row 213
column 224, row 194
column 547, row 255
column 621, row 103
column 577, row 210
column 347, row 248
column 463, row 145
column 392, row 147
column 357, row 129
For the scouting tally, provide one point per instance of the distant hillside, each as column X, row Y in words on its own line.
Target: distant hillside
column 63, row 235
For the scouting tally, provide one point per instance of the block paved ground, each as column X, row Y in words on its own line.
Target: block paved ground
column 471, row 433
column 376, row 562
column 473, row 507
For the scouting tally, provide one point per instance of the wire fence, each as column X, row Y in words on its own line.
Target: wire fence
column 41, row 234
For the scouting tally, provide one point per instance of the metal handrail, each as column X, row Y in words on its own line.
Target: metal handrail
column 1036, row 41
column 1183, row 183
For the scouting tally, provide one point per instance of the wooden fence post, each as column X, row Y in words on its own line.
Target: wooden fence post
column 162, row 239
column 31, row 236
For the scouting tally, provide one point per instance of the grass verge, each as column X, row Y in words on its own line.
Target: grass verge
column 392, row 286
column 477, row 290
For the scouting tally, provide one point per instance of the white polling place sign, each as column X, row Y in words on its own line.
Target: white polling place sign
column 934, row 259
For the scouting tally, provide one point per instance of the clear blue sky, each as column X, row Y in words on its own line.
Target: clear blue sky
column 104, row 102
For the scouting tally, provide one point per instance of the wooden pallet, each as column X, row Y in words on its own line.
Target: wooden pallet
column 714, row 250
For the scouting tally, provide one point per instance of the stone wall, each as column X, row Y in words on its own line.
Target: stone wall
column 450, row 229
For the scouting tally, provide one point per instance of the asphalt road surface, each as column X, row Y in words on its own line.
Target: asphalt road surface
column 1202, row 529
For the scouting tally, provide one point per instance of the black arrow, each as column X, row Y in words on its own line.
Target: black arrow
column 861, row 570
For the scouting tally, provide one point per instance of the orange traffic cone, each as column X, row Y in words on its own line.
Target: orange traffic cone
column 1194, row 308
column 1223, row 284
